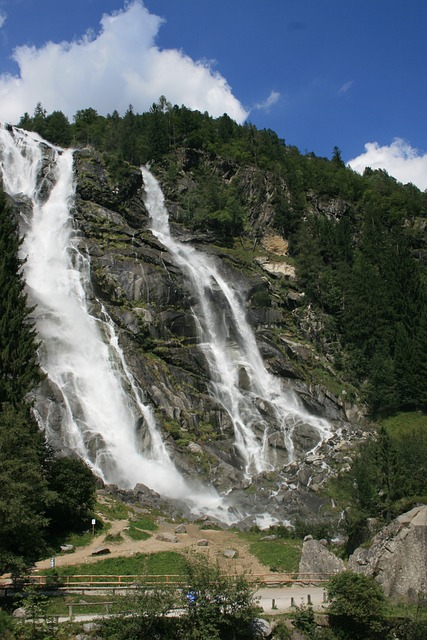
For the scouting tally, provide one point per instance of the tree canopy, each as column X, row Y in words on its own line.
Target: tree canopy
column 41, row 496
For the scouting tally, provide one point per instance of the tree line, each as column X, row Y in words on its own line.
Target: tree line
column 42, row 497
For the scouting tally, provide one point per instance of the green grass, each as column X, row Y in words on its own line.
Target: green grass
column 112, row 509
column 278, row 555
column 83, row 539
column 163, row 563
column 137, row 534
column 404, row 422
column 146, row 523
column 137, row 529
column 113, row 538
column 401, row 610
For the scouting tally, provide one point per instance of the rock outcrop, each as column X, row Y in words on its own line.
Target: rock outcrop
column 149, row 300
column 397, row 557
column 316, row 558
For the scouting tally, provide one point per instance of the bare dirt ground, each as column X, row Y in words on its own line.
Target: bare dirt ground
column 218, row 542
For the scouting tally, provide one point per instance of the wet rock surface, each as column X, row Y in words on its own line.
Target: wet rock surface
column 397, row 556
column 152, row 306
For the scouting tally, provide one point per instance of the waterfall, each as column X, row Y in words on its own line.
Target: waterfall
column 102, row 407
column 262, row 412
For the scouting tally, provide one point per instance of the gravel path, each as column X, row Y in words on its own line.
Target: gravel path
column 218, row 542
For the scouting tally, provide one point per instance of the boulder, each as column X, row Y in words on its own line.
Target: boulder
column 230, row 553
column 100, row 551
column 167, row 537
column 397, row 557
column 203, row 542
column 316, row 558
column 262, row 628
column 181, row 528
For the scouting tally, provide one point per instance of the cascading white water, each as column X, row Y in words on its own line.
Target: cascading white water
column 79, row 350
column 259, row 408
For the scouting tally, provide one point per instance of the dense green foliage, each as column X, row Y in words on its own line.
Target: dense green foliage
column 19, row 371
column 41, row 497
column 357, row 606
column 357, row 240
column 388, row 476
column 214, row 606
column 358, row 610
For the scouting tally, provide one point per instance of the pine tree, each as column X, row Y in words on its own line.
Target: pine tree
column 19, row 369
column 420, row 359
column 25, row 493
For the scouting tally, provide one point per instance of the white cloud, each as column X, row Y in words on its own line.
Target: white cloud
column 272, row 99
column 111, row 69
column 400, row 160
column 345, row 87
column 2, row 19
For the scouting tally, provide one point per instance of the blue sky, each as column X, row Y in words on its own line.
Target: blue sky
column 318, row 72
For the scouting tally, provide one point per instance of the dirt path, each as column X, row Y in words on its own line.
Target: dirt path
column 218, row 542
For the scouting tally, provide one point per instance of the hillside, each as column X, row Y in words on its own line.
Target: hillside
column 302, row 278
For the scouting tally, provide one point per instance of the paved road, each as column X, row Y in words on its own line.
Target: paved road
column 287, row 598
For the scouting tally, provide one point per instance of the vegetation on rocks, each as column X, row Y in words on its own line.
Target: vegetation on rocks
column 360, row 260
column 351, row 319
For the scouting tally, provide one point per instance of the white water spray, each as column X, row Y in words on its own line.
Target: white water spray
column 80, row 352
column 261, row 411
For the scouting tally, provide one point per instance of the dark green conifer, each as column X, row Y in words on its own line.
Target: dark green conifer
column 19, row 369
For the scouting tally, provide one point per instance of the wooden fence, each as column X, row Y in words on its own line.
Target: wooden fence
column 113, row 582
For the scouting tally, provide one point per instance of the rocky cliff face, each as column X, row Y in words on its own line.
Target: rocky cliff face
column 149, row 300
column 397, row 557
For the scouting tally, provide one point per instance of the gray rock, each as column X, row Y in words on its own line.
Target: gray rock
column 230, row 553
column 100, row 551
column 315, row 558
column 20, row 612
column 181, row 528
column 397, row 557
column 167, row 537
column 91, row 626
column 67, row 548
column 262, row 628
column 203, row 542
column 149, row 299
column 194, row 448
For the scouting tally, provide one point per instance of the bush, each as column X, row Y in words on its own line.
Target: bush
column 357, row 606
column 220, row 608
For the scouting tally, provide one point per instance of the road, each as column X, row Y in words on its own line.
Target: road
column 281, row 599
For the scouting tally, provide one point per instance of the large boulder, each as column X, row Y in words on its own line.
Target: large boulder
column 316, row 558
column 397, row 558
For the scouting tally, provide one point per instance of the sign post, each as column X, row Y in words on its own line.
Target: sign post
column 93, row 526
